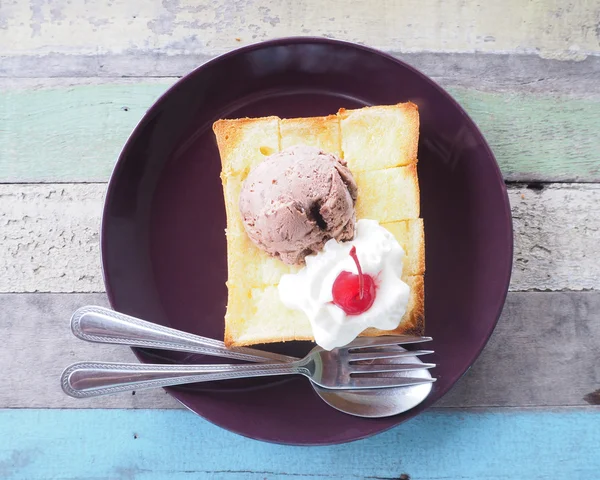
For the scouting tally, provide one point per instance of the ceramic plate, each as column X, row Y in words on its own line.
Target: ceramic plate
column 163, row 242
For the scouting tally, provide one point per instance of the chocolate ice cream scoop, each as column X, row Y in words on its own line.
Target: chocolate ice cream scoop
column 296, row 200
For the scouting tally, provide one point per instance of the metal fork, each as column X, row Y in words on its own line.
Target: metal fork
column 335, row 369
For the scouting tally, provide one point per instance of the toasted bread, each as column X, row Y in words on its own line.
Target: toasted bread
column 380, row 146
column 322, row 132
column 244, row 143
column 374, row 138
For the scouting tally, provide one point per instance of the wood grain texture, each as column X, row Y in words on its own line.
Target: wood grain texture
column 543, row 353
column 73, row 132
column 524, row 73
column 557, row 237
column 40, row 323
column 528, row 75
column 175, row 445
column 551, row 28
column 70, row 131
column 49, row 234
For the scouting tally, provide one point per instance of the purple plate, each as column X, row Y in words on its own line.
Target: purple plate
column 163, row 242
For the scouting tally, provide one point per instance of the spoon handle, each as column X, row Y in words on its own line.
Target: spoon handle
column 102, row 325
column 92, row 379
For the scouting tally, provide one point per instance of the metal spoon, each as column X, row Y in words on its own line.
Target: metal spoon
column 102, row 325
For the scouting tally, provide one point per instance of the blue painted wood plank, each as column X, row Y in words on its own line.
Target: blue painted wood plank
column 176, row 445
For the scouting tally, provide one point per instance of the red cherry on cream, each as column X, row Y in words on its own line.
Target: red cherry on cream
column 354, row 294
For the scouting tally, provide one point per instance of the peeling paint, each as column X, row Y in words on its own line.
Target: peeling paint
column 99, row 22
column 165, row 23
column 547, row 28
column 37, row 17
column 18, row 460
column 50, row 237
column 57, row 14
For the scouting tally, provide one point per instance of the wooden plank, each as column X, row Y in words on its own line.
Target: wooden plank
column 50, row 237
column 555, row 233
column 142, row 445
column 528, row 134
column 493, row 72
column 72, row 132
column 543, row 353
column 37, row 333
column 548, row 28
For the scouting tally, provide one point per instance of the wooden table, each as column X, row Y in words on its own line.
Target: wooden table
column 75, row 77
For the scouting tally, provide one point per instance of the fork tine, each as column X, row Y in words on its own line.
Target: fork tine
column 357, row 357
column 387, row 367
column 361, row 382
column 365, row 342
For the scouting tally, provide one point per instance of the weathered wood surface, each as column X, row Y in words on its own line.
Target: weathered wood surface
column 40, row 323
column 523, row 73
column 557, row 237
column 49, row 234
column 50, row 237
column 551, row 28
column 543, row 353
column 175, row 445
column 73, row 131
column 528, row 73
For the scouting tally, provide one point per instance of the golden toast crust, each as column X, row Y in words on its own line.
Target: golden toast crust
column 245, row 142
column 321, row 132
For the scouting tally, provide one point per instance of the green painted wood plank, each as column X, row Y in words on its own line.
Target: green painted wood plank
column 538, row 137
column 176, row 445
column 75, row 133
column 72, row 133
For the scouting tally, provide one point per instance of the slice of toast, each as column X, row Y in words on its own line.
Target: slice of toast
column 380, row 146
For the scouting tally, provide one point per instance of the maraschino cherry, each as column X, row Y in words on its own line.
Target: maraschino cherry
column 354, row 294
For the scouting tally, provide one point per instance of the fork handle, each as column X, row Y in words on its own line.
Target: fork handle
column 102, row 325
column 92, row 379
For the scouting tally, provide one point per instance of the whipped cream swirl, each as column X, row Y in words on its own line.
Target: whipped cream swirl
column 310, row 290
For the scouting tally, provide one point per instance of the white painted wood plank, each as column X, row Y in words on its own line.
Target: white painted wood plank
column 50, row 238
column 551, row 28
column 557, row 237
column 542, row 354
column 49, row 235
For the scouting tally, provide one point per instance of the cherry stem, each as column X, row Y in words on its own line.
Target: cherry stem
column 361, row 280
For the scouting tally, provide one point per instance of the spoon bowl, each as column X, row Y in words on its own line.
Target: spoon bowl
column 381, row 402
